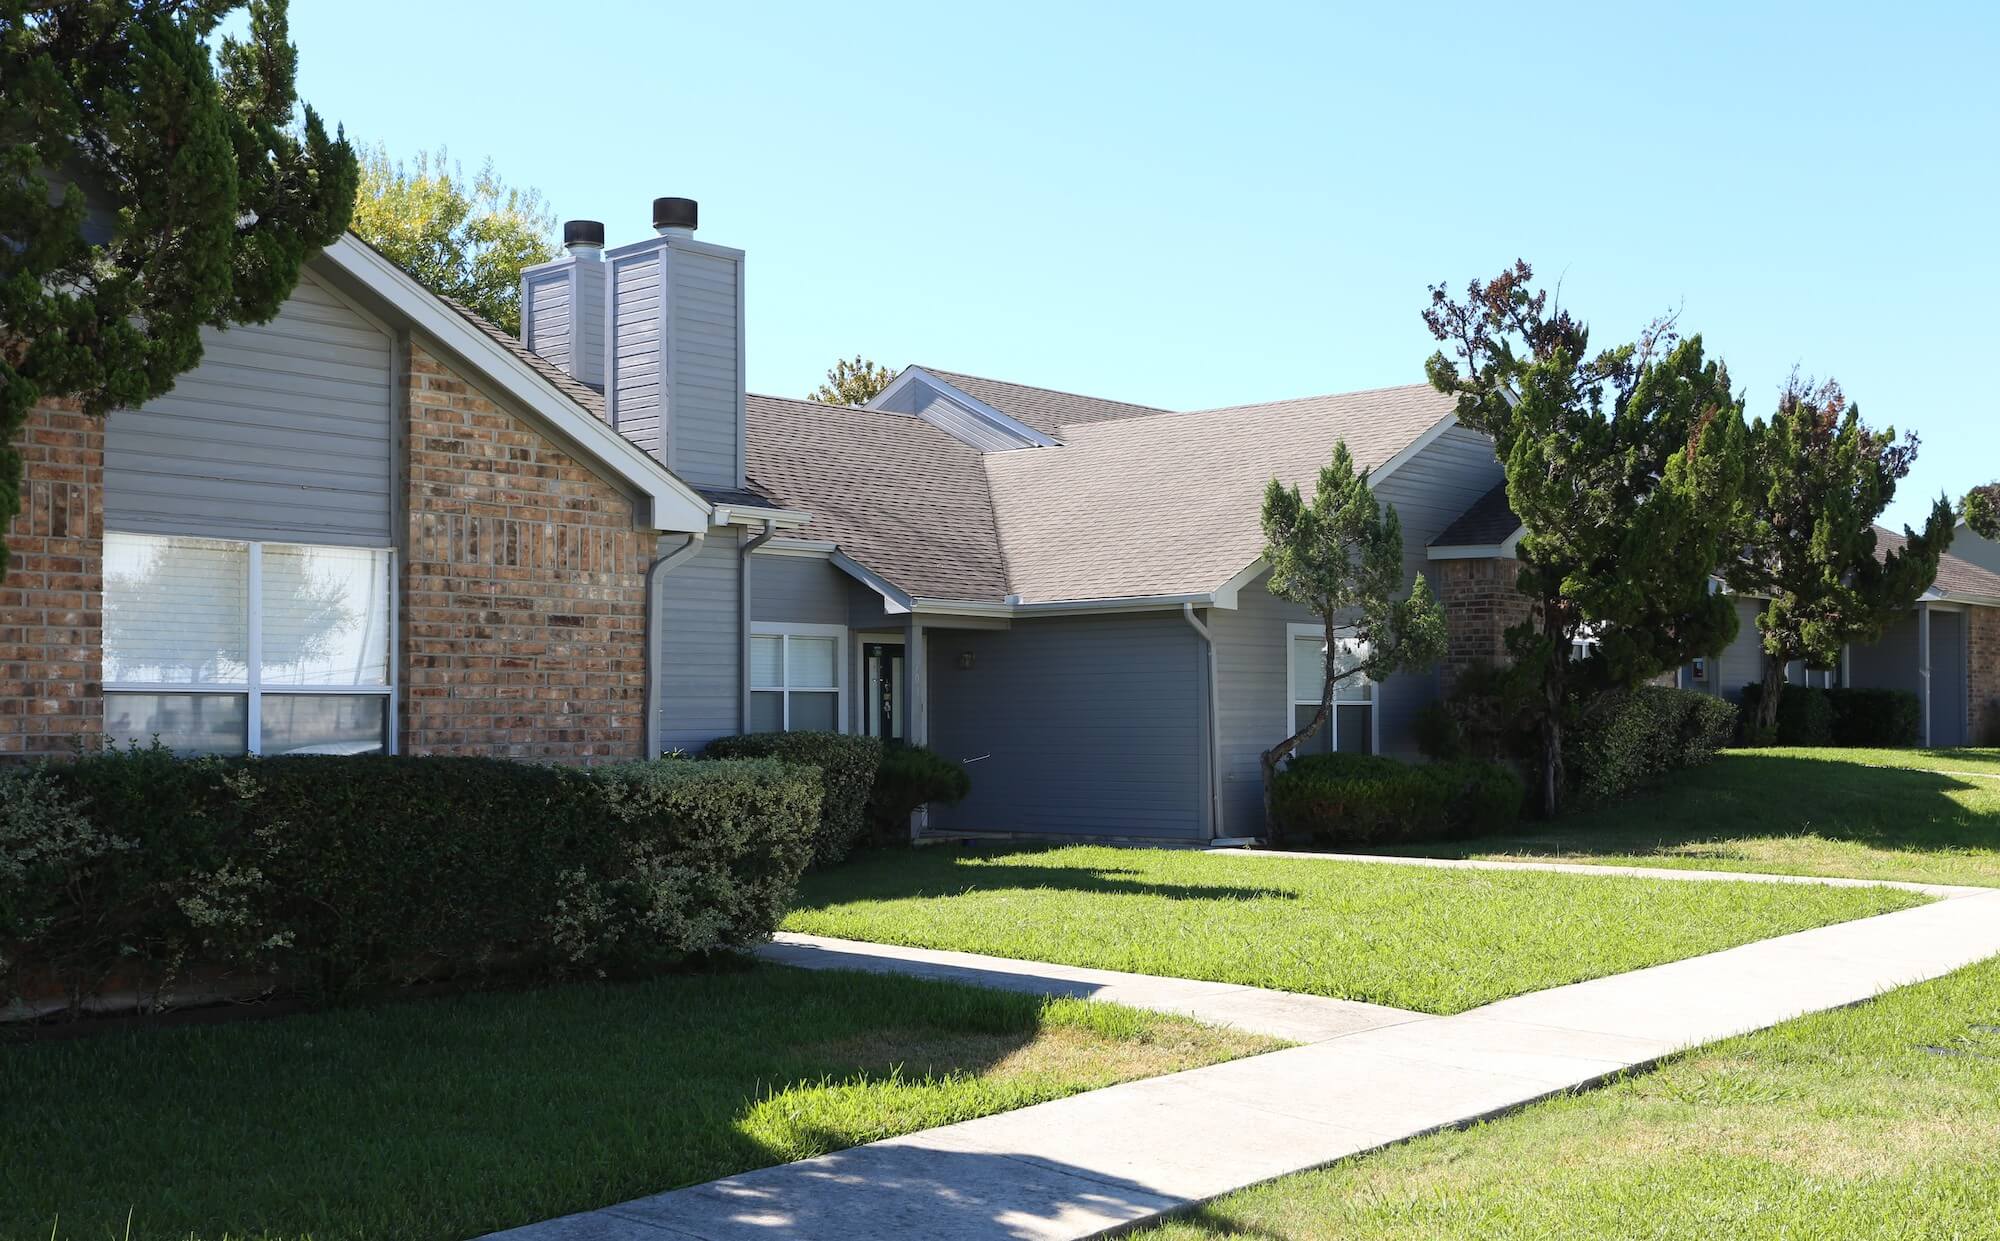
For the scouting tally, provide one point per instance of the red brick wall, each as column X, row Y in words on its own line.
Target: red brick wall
column 523, row 616
column 52, row 602
column 1480, row 603
column 1983, row 703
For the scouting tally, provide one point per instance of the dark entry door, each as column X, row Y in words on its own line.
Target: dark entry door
column 882, row 679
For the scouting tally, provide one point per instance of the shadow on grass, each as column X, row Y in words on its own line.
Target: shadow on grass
column 936, row 872
column 1755, row 796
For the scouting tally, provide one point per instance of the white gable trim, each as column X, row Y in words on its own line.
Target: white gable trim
column 672, row 504
column 1030, row 437
column 1504, row 549
column 1410, row 450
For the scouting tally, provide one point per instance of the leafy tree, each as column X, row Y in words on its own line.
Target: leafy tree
column 1982, row 510
column 1341, row 556
column 465, row 239
column 153, row 184
column 1626, row 468
column 853, row 381
column 1817, row 479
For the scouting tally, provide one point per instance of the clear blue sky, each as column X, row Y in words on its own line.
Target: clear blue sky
column 1210, row 204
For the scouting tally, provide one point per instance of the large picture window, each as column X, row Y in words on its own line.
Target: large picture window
column 223, row 647
column 1350, row 729
column 798, row 678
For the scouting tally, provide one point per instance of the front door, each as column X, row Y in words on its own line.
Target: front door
column 882, row 673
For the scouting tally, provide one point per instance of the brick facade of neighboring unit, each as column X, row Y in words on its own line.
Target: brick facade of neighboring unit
column 52, row 602
column 1983, row 703
column 523, row 623
column 1480, row 604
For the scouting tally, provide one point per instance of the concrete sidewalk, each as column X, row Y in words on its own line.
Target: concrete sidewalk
column 1078, row 1166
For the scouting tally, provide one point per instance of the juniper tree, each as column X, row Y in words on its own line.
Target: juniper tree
column 1816, row 480
column 1982, row 510
column 1340, row 555
column 154, row 182
column 1625, row 468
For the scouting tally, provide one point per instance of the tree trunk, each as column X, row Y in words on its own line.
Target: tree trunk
column 1279, row 752
column 1767, row 700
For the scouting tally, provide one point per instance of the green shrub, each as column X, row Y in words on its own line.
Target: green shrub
column 847, row 765
column 1626, row 739
column 1805, row 716
column 337, row 873
column 1492, row 712
column 1440, row 734
column 1361, row 799
column 1876, row 718
column 911, row 776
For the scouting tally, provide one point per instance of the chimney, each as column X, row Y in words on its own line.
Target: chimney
column 562, row 304
column 673, row 374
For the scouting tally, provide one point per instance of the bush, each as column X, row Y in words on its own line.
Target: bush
column 1440, row 733
column 1880, row 718
column 909, row 777
column 1811, row 716
column 1359, row 799
column 337, row 873
column 847, row 766
column 1626, row 739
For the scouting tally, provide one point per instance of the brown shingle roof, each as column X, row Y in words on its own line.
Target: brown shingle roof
column 894, row 492
column 1956, row 577
column 1044, row 409
column 1168, row 504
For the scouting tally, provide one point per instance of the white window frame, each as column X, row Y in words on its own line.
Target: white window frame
column 788, row 630
column 252, row 686
column 1295, row 631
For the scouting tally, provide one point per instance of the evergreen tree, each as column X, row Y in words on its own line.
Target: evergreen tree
column 1817, row 479
column 852, row 382
column 1625, row 467
column 1982, row 510
column 1341, row 556
column 154, row 183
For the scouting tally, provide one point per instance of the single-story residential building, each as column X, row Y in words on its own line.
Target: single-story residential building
column 380, row 523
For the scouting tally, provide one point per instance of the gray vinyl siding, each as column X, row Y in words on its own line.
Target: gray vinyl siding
column 1948, row 678
column 704, row 385
column 1890, row 663
column 547, row 321
column 799, row 590
column 954, row 419
column 1085, row 726
column 588, row 323
column 1970, row 547
column 633, row 386
column 1741, row 662
column 284, row 431
column 696, row 673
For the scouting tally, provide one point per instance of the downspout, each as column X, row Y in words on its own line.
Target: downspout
column 654, row 572
column 743, row 553
column 1924, row 666
column 1214, row 736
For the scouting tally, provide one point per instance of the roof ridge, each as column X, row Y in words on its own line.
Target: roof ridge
column 1015, row 383
column 1316, row 396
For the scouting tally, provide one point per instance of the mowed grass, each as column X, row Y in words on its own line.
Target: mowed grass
column 1439, row 941
column 1929, row 816
column 1875, row 1121
column 453, row 1117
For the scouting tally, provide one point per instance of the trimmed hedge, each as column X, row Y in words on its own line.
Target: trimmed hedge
column 847, row 765
column 1811, row 716
column 337, row 873
column 1362, row 799
column 1627, row 739
column 911, row 776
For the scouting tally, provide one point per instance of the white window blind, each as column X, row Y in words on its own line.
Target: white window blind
column 798, row 678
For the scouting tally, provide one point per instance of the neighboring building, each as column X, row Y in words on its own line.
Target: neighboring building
column 377, row 522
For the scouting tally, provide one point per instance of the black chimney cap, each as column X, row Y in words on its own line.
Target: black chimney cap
column 676, row 213
column 583, row 233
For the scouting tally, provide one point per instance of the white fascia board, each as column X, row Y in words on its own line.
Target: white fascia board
column 1504, row 550
column 894, row 602
column 1012, row 426
column 752, row 515
column 673, row 505
column 1410, row 450
column 1226, row 594
column 814, row 549
column 1062, row 607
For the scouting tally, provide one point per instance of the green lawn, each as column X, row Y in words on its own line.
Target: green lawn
column 1435, row 940
column 1866, row 814
column 452, row 1117
column 1875, row 1121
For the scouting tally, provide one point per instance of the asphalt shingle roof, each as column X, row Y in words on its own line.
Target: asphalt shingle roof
column 1044, row 409
column 1954, row 576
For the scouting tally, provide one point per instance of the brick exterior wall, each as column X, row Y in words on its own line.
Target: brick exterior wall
column 52, row 602
column 523, row 609
column 1480, row 604
column 1983, row 703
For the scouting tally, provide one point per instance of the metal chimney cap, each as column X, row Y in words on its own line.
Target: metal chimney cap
column 589, row 233
column 676, row 213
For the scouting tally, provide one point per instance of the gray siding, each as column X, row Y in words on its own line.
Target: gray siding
column 632, row 385
column 801, row 590
column 704, row 385
column 1088, row 726
column 284, row 431
column 696, row 672
column 1948, row 678
column 962, row 424
column 1890, row 663
column 547, row 324
column 1741, row 662
column 588, row 331
column 1969, row 547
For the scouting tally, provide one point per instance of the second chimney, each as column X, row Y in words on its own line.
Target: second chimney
column 562, row 304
